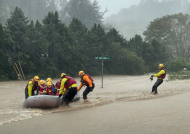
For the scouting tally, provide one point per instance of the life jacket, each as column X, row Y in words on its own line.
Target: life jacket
column 85, row 82
column 49, row 92
column 58, row 84
column 35, row 85
column 163, row 75
column 41, row 88
column 70, row 81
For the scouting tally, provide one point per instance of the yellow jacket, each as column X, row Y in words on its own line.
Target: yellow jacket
column 31, row 85
column 62, row 87
column 159, row 74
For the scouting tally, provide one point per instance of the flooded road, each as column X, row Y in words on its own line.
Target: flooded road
column 117, row 90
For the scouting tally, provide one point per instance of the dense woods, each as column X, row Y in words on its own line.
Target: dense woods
column 52, row 45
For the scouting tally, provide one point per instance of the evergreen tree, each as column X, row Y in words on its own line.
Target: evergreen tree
column 79, row 34
column 84, row 10
column 51, row 48
column 114, row 36
column 18, row 42
column 136, row 44
column 5, row 70
column 60, row 49
column 33, row 9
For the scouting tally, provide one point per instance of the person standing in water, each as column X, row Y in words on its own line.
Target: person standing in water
column 68, row 88
column 87, row 81
column 31, row 86
column 161, row 75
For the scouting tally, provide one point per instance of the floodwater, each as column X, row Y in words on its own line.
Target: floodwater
column 117, row 91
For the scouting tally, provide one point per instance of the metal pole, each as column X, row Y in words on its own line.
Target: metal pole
column 21, row 70
column 18, row 71
column 102, row 72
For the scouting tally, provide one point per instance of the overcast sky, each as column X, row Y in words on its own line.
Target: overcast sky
column 114, row 6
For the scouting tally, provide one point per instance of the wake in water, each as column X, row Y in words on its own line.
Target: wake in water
column 11, row 115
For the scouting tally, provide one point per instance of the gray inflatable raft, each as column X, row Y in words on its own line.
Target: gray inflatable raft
column 45, row 101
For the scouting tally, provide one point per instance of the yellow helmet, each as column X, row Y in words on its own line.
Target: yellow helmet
column 81, row 73
column 49, row 83
column 62, row 75
column 49, row 79
column 161, row 65
column 36, row 78
column 42, row 82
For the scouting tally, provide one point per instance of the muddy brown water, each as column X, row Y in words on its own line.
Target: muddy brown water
column 116, row 89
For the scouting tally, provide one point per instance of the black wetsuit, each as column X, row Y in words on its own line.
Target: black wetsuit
column 156, row 84
column 69, row 95
column 87, row 91
column 26, row 93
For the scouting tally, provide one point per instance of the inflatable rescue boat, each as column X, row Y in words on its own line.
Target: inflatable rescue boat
column 45, row 101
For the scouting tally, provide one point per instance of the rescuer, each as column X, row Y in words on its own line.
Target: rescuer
column 160, row 77
column 31, row 86
column 87, row 81
column 68, row 89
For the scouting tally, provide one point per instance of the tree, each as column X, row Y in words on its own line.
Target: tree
column 136, row 45
column 134, row 20
column 84, row 10
column 177, row 65
column 173, row 32
column 124, row 61
column 51, row 48
column 33, row 9
column 114, row 36
column 5, row 70
column 79, row 35
column 60, row 50
column 39, row 49
column 18, row 42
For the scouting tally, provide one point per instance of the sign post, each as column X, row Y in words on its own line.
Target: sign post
column 102, row 58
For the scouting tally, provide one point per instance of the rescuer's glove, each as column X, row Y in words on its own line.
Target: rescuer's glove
column 151, row 78
column 60, row 95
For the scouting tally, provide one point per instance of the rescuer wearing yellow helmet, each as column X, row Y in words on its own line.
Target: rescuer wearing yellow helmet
column 87, row 81
column 161, row 75
column 50, row 90
column 31, row 86
column 50, row 80
column 41, row 87
column 68, row 88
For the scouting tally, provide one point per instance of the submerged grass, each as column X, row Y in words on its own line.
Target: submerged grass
column 182, row 75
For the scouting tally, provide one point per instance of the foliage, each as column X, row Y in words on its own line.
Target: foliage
column 34, row 9
column 173, row 32
column 5, row 71
column 135, row 19
column 152, row 53
column 179, row 75
column 86, row 11
column 177, row 65
column 51, row 48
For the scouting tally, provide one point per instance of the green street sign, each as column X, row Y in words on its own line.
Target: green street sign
column 102, row 58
